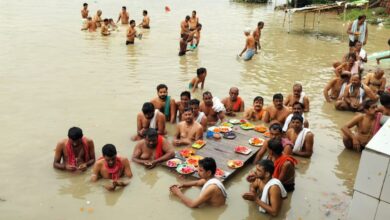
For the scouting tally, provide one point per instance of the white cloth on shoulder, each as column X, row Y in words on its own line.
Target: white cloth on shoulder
column 200, row 116
column 342, row 90
column 303, row 94
column 361, row 93
column 288, row 120
column 217, row 105
column 298, row 145
column 362, row 31
column 214, row 181
column 153, row 123
column 264, row 195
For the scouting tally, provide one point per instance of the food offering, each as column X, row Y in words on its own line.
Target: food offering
column 267, row 134
column 242, row 150
column 260, row 128
column 198, row 144
column 173, row 162
column 220, row 129
column 257, row 142
column 243, row 121
column 185, row 169
column 247, row 126
column 219, row 173
column 229, row 135
column 186, row 152
column 194, row 160
column 234, row 121
column 226, row 124
column 235, row 163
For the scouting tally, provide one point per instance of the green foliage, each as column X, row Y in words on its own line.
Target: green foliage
column 252, row 1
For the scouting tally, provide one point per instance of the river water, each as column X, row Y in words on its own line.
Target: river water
column 54, row 76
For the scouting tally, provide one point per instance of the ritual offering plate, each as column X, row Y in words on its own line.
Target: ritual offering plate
column 243, row 121
column 227, row 124
column 186, row 152
column 229, row 135
column 198, row 144
column 234, row 121
column 185, row 169
column 260, row 128
column 257, row 142
column 235, row 163
column 174, row 162
column 247, row 126
column 219, row 173
column 220, row 129
column 194, row 160
column 242, row 150
column 267, row 134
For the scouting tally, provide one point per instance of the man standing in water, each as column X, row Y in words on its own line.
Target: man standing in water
column 298, row 96
column 149, row 118
column 113, row 167
column 213, row 108
column 184, row 27
column 105, row 31
column 90, row 25
column 257, row 35
column 302, row 137
column 257, row 112
column 249, row 45
column 358, row 31
column 84, row 11
column 77, row 152
column 194, row 21
column 184, row 103
column 154, row 149
column 123, row 16
column 188, row 130
column 213, row 192
column 277, row 111
column 145, row 21
column 97, row 18
column 199, row 116
column 164, row 103
column 364, row 128
column 131, row 33
column 233, row 103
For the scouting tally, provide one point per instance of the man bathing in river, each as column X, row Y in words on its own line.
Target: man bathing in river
column 358, row 31
column 257, row 112
column 199, row 116
column 188, row 130
column 233, row 103
column 131, row 33
column 184, row 27
column 145, row 23
column 105, row 31
column 302, row 137
column 97, row 18
column 200, row 78
column 77, row 152
column 123, row 16
column 277, row 111
column 84, row 11
column 297, row 96
column 213, row 108
column 297, row 109
column 257, row 35
column 376, row 81
column 249, row 45
column 164, row 103
column 213, row 192
column 149, row 118
column 184, row 103
column 113, row 167
column 336, row 87
column 152, row 150
column 90, row 25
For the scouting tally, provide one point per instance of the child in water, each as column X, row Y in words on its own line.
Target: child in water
column 199, row 79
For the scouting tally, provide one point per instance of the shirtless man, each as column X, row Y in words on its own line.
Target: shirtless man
column 154, row 149
column 277, row 111
column 123, row 16
column 350, row 63
column 257, row 112
column 297, row 96
column 364, row 127
column 84, row 11
column 297, row 109
column 267, row 192
column 200, row 78
column 149, row 118
column 97, row 18
column 354, row 95
column 184, row 103
column 199, row 116
column 131, row 33
column 91, row 25
column 249, row 45
column 302, row 137
column 194, row 21
column 113, row 167
column 75, row 152
column 184, row 27
column 233, row 103
column 212, row 111
column 257, row 35
column 105, row 31
column 213, row 192
column 145, row 23
column 336, row 87
column 164, row 103
column 188, row 130
column 376, row 81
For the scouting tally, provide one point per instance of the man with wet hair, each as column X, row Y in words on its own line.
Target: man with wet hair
column 184, row 27
column 188, row 130
column 213, row 192
column 90, row 25
column 276, row 112
column 131, row 33
column 84, row 11
column 297, row 109
column 297, row 96
column 184, row 103
column 164, row 103
column 257, row 35
column 233, row 103
column 123, row 16
column 199, row 116
column 213, row 108
column 145, row 23
column 194, row 21
column 154, row 149
column 113, row 167
column 257, row 112
column 105, row 31
column 149, row 118
column 267, row 192
column 358, row 31
column 302, row 137
column 76, row 152
column 249, row 45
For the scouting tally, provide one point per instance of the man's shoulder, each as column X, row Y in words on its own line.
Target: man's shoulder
column 62, row 143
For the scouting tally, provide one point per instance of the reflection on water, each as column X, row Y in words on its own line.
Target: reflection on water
column 54, row 76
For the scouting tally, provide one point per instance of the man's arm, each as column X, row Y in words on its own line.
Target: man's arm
column 309, row 141
column 242, row 107
column 203, row 122
column 203, row 197
column 128, row 172
column 221, row 116
column 160, row 124
column 92, row 157
column 275, row 201
column 119, row 17
column 169, row 152
column 370, row 94
column 327, row 88
column 199, row 134
column 139, row 125
column 366, row 36
column 173, row 111
column 266, row 116
column 137, row 154
column 246, row 46
column 58, row 156
column 349, row 28
column 260, row 154
column 95, row 172
column 176, row 137
column 306, row 103
column 383, row 84
column 354, row 122
column 248, row 114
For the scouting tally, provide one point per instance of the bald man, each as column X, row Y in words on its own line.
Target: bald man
column 297, row 96
column 233, row 103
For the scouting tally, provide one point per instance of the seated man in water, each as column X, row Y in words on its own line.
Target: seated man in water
column 297, row 96
column 376, row 81
column 164, row 103
column 233, row 103
column 267, row 192
column 257, row 112
column 131, row 33
column 84, row 11
column 123, row 16
column 297, row 109
column 154, row 149
column 257, row 35
column 354, row 95
column 302, row 137
column 213, row 192
column 199, row 116
column 249, row 45
column 90, row 26
column 145, row 20
column 349, row 63
column 336, row 86
column 97, row 18
column 364, row 127
column 76, row 152
column 113, row 167
column 184, row 103
column 105, row 31
column 275, row 131
column 213, row 108
column 188, row 130
column 277, row 111
column 149, row 118
column 200, row 78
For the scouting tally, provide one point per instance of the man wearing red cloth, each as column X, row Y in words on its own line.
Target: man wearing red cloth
column 233, row 103
column 75, row 152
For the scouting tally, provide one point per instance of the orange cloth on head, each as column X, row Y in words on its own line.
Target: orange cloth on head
column 71, row 157
column 279, row 164
column 237, row 105
column 159, row 147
